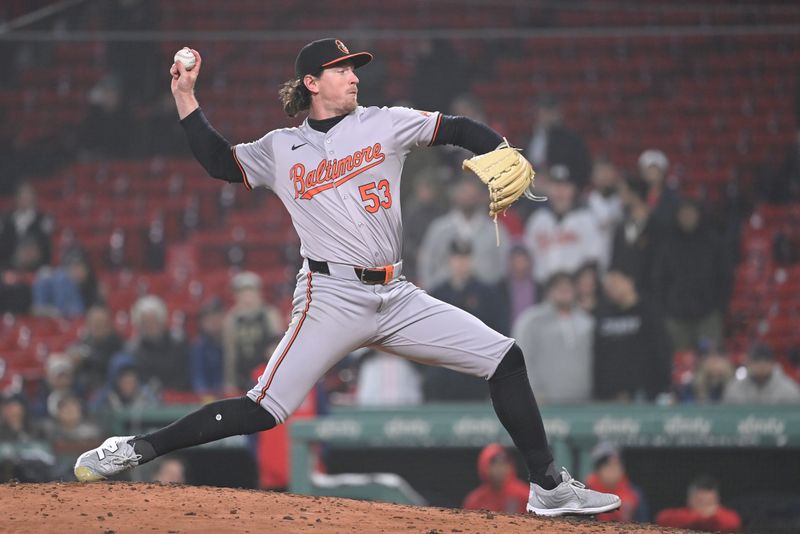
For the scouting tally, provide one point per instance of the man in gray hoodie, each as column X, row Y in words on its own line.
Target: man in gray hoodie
column 556, row 339
column 764, row 383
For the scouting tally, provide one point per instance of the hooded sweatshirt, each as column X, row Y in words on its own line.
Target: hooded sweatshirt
column 511, row 497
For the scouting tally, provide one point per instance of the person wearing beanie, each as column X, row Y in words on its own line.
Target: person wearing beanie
column 500, row 489
column 609, row 475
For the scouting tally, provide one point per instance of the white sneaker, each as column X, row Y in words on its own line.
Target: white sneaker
column 570, row 497
column 114, row 456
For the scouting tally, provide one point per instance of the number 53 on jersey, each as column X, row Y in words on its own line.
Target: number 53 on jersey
column 376, row 196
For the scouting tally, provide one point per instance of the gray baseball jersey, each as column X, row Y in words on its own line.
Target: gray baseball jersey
column 342, row 191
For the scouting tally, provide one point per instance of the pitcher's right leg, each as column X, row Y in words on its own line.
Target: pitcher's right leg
column 331, row 318
column 214, row 421
column 335, row 317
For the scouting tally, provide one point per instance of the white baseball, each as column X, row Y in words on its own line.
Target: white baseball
column 185, row 56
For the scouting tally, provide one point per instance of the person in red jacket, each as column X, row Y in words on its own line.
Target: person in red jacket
column 703, row 510
column 501, row 490
column 609, row 476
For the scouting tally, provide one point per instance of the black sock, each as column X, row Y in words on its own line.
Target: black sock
column 216, row 420
column 517, row 410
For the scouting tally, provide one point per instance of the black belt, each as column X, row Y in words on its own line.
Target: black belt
column 381, row 275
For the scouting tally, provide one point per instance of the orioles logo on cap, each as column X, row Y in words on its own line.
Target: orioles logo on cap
column 340, row 45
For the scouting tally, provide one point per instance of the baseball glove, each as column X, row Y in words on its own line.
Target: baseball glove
column 507, row 174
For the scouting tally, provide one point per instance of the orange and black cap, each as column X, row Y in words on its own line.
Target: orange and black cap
column 324, row 53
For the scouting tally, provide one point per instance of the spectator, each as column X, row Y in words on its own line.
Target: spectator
column 69, row 424
column 519, row 287
column 553, row 144
column 556, row 339
column 16, row 425
column 606, row 205
column 106, row 130
column 170, row 471
column 703, row 510
column 764, row 381
column 500, row 489
column 609, row 476
column 68, row 290
column 25, row 224
column 438, row 76
column 714, row 373
column 162, row 360
column 784, row 185
column 250, row 328
column 386, row 380
column 124, row 389
column 587, row 288
column 638, row 238
column 59, row 382
column 69, row 434
column 561, row 236
column 207, row 352
column 468, row 105
column 662, row 198
column 466, row 221
column 632, row 353
column 693, row 278
column 464, row 291
column 28, row 256
column 418, row 213
column 16, row 295
column 94, row 349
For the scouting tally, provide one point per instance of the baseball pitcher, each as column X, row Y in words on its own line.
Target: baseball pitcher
column 338, row 174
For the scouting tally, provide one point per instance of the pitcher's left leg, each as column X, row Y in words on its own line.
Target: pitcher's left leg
column 421, row 328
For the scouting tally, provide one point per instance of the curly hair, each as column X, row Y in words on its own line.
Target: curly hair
column 294, row 96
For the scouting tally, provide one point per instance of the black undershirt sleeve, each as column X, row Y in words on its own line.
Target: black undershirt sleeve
column 213, row 151
column 466, row 133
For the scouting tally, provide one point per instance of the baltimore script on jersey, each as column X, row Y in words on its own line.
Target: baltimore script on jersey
column 331, row 173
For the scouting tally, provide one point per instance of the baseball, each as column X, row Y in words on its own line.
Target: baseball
column 185, row 56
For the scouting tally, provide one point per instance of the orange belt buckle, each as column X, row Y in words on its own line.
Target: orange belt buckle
column 389, row 271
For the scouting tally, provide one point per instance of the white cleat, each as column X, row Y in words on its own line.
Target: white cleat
column 114, row 456
column 570, row 497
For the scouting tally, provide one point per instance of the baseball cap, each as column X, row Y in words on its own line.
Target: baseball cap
column 211, row 306
column 559, row 173
column 246, row 280
column 602, row 452
column 324, row 53
column 460, row 248
column 547, row 101
column 58, row 363
column 653, row 157
column 760, row 352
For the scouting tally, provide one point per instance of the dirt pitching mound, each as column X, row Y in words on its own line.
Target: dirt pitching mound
column 108, row 507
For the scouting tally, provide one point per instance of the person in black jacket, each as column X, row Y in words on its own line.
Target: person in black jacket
column 638, row 237
column 693, row 280
column 554, row 144
column 162, row 359
column 662, row 197
column 632, row 358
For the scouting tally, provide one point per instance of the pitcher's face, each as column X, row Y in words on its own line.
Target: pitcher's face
column 337, row 89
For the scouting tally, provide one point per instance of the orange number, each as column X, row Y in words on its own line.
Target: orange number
column 375, row 202
column 383, row 185
column 366, row 195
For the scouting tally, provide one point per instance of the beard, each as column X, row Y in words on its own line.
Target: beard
column 350, row 105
